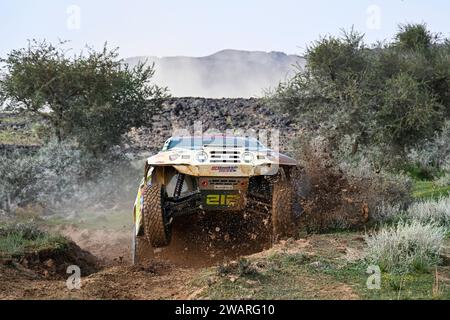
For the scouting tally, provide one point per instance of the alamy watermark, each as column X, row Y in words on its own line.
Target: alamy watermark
column 373, row 21
column 374, row 280
column 74, row 280
column 73, row 21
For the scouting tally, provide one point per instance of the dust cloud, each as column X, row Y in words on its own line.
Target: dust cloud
column 227, row 73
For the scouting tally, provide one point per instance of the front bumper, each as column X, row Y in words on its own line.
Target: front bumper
column 228, row 170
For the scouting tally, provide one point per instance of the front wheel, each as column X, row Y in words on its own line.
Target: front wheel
column 157, row 226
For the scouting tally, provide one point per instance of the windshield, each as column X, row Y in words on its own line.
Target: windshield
column 195, row 143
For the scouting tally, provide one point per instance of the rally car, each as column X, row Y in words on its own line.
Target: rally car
column 210, row 173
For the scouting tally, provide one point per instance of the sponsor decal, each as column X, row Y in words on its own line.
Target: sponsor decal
column 223, row 187
column 225, row 168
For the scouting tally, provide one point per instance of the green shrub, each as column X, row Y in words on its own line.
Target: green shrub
column 409, row 113
column 444, row 180
column 405, row 247
column 393, row 95
column 17, row 239
column 59, row 173
column 431, row 211
column 435, row 211
column 93, row 96
column 433, row 155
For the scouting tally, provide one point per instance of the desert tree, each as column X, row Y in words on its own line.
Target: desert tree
column 393, row 93
column 91, row 96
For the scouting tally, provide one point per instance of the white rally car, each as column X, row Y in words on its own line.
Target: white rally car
column 208, row 173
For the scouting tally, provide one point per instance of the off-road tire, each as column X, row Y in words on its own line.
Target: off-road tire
column 139, row 248
column 283, row 220
column 157, row 230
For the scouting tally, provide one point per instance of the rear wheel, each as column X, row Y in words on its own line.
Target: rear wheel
column 157, row 227
column 283, row 219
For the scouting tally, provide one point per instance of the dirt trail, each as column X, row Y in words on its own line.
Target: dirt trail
column 211, row 240
column 197, row 241
column 117, row 278
column 118, row 282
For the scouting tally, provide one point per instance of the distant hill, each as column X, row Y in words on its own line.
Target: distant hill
column 227, row 73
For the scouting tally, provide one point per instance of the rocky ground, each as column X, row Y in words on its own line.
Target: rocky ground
column 177, row 116
column 180, row 115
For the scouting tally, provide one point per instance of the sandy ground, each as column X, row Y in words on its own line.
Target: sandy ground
column 195, row 245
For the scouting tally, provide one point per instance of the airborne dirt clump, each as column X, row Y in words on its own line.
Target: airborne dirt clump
column 206, row 239
column 330, row 200
column 336, row 195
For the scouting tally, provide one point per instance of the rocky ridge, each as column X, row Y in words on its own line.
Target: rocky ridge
column 187, row 115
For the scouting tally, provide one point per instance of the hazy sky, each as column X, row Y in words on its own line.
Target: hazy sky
column 202, row 27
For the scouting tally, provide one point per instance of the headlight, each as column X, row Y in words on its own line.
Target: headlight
column 201, row 156
column 174, row 156
column 247, row 157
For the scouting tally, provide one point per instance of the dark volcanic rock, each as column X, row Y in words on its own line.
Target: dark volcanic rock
column 213, row 115
column 190, row 114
